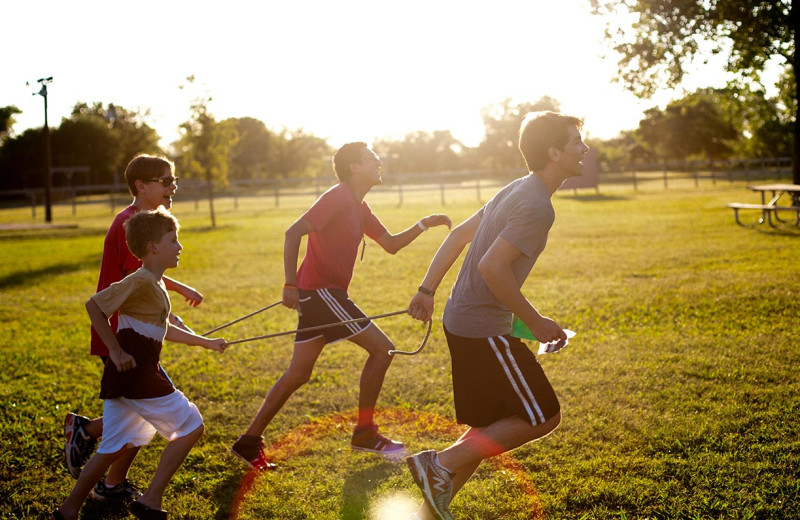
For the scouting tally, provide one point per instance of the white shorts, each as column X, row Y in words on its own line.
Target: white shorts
column 128, row 423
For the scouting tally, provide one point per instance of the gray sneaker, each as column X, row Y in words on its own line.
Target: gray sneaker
column 79, row 444
column 435, row 482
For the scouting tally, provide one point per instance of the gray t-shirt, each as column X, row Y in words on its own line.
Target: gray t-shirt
column 522, row 214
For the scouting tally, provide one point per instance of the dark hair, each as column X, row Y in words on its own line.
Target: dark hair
column 148, row 226
column 345, row 156
column 541, row 130
column 144, row 167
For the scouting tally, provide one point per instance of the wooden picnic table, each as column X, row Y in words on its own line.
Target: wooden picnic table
column 770, row 208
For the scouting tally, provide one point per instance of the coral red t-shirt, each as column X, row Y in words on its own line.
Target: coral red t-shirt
column 340, row 223
column 117, row 261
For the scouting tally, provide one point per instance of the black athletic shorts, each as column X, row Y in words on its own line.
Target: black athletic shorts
column 324, row 306
column 498, row 377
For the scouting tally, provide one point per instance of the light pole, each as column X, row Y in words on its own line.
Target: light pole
column 48, row 183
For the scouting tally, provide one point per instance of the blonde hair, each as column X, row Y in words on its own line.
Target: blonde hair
column 148, row 226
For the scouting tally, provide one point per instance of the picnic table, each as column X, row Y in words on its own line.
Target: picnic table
column 771, row 208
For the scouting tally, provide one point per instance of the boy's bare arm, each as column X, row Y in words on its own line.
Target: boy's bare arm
column 291, row 252
column 121, row 359
column 181, row 336
column 421, row 306
column 496, row 269
column 394, row 243
column 191, row 294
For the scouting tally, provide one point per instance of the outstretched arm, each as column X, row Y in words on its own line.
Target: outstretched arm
column 291, row 251
column 496, row 269
column 421, row 306
column 189, row 338
column 394, row 243
column 189, row 293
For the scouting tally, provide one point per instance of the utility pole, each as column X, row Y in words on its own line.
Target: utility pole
column 48, row 181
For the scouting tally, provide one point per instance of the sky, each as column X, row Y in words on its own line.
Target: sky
column 346, row 70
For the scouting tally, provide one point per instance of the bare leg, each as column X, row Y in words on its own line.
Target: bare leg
column 89, row 476
column 299, row 372
column 118, row 471
column 94, row 427
column 374, row 341
column 172, row 458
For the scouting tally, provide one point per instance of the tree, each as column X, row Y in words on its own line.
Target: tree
column 253, row 154
column 689, row 128
column 501, row 122
column 669, row 35
column 102, row 137
column 422, row 152
column 7, row 120
column 204, row 148
column 298, row 154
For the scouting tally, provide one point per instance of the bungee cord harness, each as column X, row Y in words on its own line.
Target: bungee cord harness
column 320, row 327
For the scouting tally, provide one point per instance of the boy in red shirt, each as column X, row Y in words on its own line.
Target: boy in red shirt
column 152, row 183
column 335, row 225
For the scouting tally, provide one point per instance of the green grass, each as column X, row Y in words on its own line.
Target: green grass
column 679, row 394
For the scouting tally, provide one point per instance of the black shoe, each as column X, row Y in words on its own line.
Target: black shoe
column 143, row 512
column 251, row 451
column 122, row 491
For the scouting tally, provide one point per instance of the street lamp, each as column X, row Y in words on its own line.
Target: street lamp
column 48, row 184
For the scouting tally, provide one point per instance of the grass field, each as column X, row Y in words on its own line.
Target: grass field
column 680, row 394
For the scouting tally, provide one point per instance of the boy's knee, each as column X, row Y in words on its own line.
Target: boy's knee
column 297, row 378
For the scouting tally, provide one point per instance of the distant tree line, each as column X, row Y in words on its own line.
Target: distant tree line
column 708, row 124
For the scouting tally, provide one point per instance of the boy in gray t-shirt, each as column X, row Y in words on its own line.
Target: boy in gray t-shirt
column 499, row 388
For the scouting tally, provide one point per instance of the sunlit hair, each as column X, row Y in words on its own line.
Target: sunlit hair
column 345, row 156
column 144, row 167
column 148, row 226
column 541, row 130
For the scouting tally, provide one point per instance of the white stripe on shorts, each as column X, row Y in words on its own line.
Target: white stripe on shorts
column 528, row 400
column 338, row 310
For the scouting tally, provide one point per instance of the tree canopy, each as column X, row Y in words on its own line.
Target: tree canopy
column 667, row 36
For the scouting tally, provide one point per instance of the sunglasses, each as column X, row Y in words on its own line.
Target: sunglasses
column 165, row 181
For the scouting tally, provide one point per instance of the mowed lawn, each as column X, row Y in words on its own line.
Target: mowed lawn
column 680, row 394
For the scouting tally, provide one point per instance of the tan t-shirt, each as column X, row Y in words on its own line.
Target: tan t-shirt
column 144, row 307
column 142, row 301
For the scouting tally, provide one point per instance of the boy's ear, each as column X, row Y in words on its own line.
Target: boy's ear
column 151, row 247
column 553, row 153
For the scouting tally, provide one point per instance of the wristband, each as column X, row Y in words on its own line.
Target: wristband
column 289, row 286
column 422, row 226
column 425, row 291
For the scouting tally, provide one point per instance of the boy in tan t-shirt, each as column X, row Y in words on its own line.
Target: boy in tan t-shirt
column 138, row 400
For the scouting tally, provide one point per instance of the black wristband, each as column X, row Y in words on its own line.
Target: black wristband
column 426, row 292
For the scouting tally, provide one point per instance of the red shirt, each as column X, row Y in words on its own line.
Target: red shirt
column 340, row 223
column 117, row 261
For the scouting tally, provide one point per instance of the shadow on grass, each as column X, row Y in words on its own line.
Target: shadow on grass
column 32, row 277
column 359, row 486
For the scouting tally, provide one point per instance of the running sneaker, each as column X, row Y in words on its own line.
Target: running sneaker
column 435, row 482
column 143, row 512
column 79, row 444
column 251, row 450
column 370, row 441
column 122, row 491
